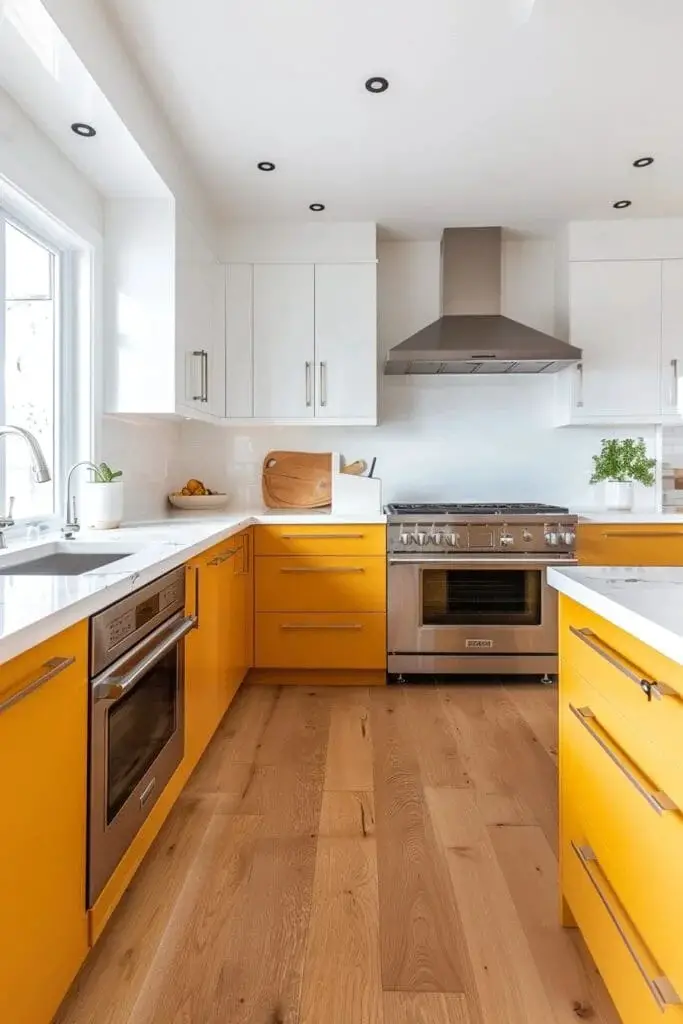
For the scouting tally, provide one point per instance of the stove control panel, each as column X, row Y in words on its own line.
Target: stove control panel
column 446, row 539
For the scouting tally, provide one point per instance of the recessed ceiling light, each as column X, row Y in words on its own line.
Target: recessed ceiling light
column 377, row 84
column 621, row 204
column 643, row 161
column 266, row 165
column 85, row 130
column 317, row 207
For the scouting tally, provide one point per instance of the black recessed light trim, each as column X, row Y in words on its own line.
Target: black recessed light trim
column 266, row 165
column 643, row 161
column 377, row 84
column 86, row 131
column 621, row 204
column 317, row 207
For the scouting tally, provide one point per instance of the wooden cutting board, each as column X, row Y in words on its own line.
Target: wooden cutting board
column 297, row 479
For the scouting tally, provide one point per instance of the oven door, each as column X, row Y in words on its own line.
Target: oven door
column 136, row 743
column 498, row 606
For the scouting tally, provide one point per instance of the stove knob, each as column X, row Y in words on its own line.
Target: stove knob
column 452, row 539
column 527, row 535
column 568, row 538
column 404, row 538
column 507, row 540
column 436, row 537
column 420, row 538
column 552, row 539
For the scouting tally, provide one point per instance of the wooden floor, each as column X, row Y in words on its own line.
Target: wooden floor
column 346, row 856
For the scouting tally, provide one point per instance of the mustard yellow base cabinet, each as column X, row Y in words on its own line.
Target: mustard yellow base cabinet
column 621, row 796
column 622, row 544
column 320, row 598
column 43, row 791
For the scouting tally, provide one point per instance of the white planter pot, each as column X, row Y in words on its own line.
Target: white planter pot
column 103, row 505
column 618, row 495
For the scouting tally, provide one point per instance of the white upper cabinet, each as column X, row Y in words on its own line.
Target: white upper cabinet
column 615, row 310
column 239, row 341
column 284, row 341
column 672, row 338
column 346, row 341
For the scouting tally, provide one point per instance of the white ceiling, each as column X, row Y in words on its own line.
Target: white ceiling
column 498, row 111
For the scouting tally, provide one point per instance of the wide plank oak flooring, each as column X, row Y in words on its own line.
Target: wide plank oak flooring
column 354, row 856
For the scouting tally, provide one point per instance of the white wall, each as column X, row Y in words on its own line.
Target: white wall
column 145, row 449
column 439, row 438
column 282, row 242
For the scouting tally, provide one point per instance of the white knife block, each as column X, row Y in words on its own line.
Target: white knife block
column 354, row 495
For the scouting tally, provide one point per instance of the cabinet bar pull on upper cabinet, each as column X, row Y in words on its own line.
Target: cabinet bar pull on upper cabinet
column 50, row 669
column 674, row 383
column 649, row 687
column 657, row 800
column 579, row 389
column 661, row 989
column 309, row 397
column 203, row 356
column 323, row 384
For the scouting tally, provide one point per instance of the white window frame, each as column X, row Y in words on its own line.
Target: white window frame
column 73, row 296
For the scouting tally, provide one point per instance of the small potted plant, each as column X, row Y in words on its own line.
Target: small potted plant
column 104, row 498
column 618, row 465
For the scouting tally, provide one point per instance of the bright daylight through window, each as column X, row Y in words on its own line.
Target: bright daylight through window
column 29, row 366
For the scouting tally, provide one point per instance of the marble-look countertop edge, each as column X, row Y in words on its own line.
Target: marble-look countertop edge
column 105, row 586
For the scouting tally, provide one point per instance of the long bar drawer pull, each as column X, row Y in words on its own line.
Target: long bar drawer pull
column 323, row 536
column 219, row 559
column 50, row 669
column 335, row 627
column 643, row 533
column 650, row 687
column 657, row 800
column 338, row 569
column 660, row 987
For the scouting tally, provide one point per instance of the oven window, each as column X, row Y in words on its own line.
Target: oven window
column 140, row 726
column 481, row 597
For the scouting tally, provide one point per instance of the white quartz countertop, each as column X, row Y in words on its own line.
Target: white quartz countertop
column 645, row 602
column 634, row 518
column 34, row 608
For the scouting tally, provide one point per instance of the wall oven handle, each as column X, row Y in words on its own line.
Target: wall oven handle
column 434, row 561
column 661, row 989
column 116, row 686
column 650, row 687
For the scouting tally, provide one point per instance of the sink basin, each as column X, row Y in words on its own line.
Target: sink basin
column 62, row 559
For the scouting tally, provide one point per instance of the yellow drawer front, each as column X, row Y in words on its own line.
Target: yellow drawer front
column 635, row 981
column 321, row 583
column 619, row 667
column 345, row 539
column 325, row 641
column 635, row 829
column 608, row 544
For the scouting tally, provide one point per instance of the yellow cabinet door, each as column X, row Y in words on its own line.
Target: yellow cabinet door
column 43, row 794
column 321, row 583
column 321, row 640
column 335, row 539
column 621, row 544
column 201, row 662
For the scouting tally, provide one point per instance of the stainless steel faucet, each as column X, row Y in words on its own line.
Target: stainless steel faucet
column 71, row 524
column 41, row 474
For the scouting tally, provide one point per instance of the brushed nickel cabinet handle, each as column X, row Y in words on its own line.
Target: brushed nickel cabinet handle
column 660, row 987
column 323, row 536
column 323, row 384
column 657, row 800
column 301, row 628
column 634, row 534
column 50, row 669
column 650, row 687
column 579, row 390
column 203, row 357
column 309, row 390
column 338, row 570
column 246, row 555
column 219, row 559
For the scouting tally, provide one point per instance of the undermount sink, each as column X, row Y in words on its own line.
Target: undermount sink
column 62, row 559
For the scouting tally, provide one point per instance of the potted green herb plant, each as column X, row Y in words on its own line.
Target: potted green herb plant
column 103, row 498
column 618, row 465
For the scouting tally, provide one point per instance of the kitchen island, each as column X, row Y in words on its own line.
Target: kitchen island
column 621, row 781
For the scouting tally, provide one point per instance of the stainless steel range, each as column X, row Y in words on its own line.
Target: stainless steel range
column 467, row 588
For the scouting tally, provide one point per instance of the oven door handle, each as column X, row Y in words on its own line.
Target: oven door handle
column 116, row 686
column 466, row 563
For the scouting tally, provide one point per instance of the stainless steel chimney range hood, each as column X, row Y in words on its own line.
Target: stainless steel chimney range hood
column 472, row 337
column 480, row 344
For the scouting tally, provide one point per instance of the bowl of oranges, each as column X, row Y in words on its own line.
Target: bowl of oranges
column 194, row 495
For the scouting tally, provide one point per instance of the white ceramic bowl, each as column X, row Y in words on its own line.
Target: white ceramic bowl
column 199, row 501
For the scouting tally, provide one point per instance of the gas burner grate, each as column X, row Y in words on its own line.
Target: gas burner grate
column 456, row 509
